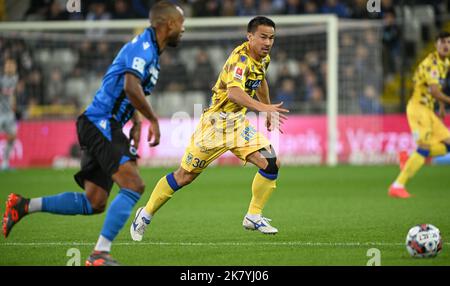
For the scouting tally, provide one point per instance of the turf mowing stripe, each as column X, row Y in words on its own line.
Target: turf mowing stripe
column 287, row 243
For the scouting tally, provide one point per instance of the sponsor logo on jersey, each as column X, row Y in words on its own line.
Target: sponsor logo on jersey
column 253, row 84
column 189, row 159
column 238, row 72
column 434, row 74
column 146, row 45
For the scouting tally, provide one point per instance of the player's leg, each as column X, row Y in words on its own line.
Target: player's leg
column 92, row 201
column 163, row 191
column 440, row 138
column 411, row 167
column 415, row 162
column 252, row 146
column 202, row 150
column 428, row 131
column 70, row 203
column 91, row 178
column 118, row 162
column 264, row 183
column 131, row 188
column 166, row 187
column 10, row 127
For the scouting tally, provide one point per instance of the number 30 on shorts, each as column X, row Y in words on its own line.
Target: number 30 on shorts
column 199, row 163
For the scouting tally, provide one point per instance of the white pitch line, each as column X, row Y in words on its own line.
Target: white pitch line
column 281, row 243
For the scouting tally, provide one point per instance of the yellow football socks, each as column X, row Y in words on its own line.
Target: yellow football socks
column 160, row 195
column 262, row 188
column 414, row 163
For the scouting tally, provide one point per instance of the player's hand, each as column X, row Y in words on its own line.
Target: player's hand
column 273, row 121
column 275, row 108
column 153, row 133
column 135, row 134
column 275, row 115
column 442, row 112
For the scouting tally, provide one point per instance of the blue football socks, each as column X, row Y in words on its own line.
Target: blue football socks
column 67, row 204
column 118, row 213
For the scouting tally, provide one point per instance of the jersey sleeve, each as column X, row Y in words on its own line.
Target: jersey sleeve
column 237, row 71
column 431, row 74
column 137, row 57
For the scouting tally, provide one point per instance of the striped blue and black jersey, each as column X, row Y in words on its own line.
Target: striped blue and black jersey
column 139, row 57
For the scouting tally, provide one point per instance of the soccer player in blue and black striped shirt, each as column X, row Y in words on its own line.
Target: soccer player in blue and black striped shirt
column 108, row 155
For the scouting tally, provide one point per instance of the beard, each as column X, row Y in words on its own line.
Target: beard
column 173, row 40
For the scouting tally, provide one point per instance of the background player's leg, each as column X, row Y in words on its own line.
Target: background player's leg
column 131, row 188
column 7, row 152
column 414, row 163
column 264, row 182
column 420, row 121
column 418, row 158
column 440, row 149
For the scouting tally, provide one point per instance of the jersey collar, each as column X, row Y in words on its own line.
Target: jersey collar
column 258, row 63
column 438, row 58
column 153, row 39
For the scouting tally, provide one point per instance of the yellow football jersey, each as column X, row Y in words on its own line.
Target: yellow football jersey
column 432, row 70
column 242, row 71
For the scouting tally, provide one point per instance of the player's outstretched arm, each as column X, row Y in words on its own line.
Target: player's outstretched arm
column 135, row 94
column 238, row 96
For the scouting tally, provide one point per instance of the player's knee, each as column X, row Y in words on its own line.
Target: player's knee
column 272, row 166
column 278, row 162
column 98, row 206
column 135, row 184
column 423, row 150
column 447, row 144
column 183, row 177
column 139, row 186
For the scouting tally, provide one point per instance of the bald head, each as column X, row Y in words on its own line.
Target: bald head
column 164, row 11
column 167, row 19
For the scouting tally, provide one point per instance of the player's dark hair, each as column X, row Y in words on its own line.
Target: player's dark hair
column 442, row 35
column 259, row 21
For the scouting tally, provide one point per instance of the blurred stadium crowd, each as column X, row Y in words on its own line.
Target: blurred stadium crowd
column 123, row 9
column 70, row 77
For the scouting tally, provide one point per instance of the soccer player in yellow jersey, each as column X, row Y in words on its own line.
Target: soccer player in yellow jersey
column 223, row 127
column 431, row 135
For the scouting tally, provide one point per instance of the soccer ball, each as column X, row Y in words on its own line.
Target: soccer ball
column 424, row 240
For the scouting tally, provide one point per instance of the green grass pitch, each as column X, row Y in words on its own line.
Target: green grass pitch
column 325, row 216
